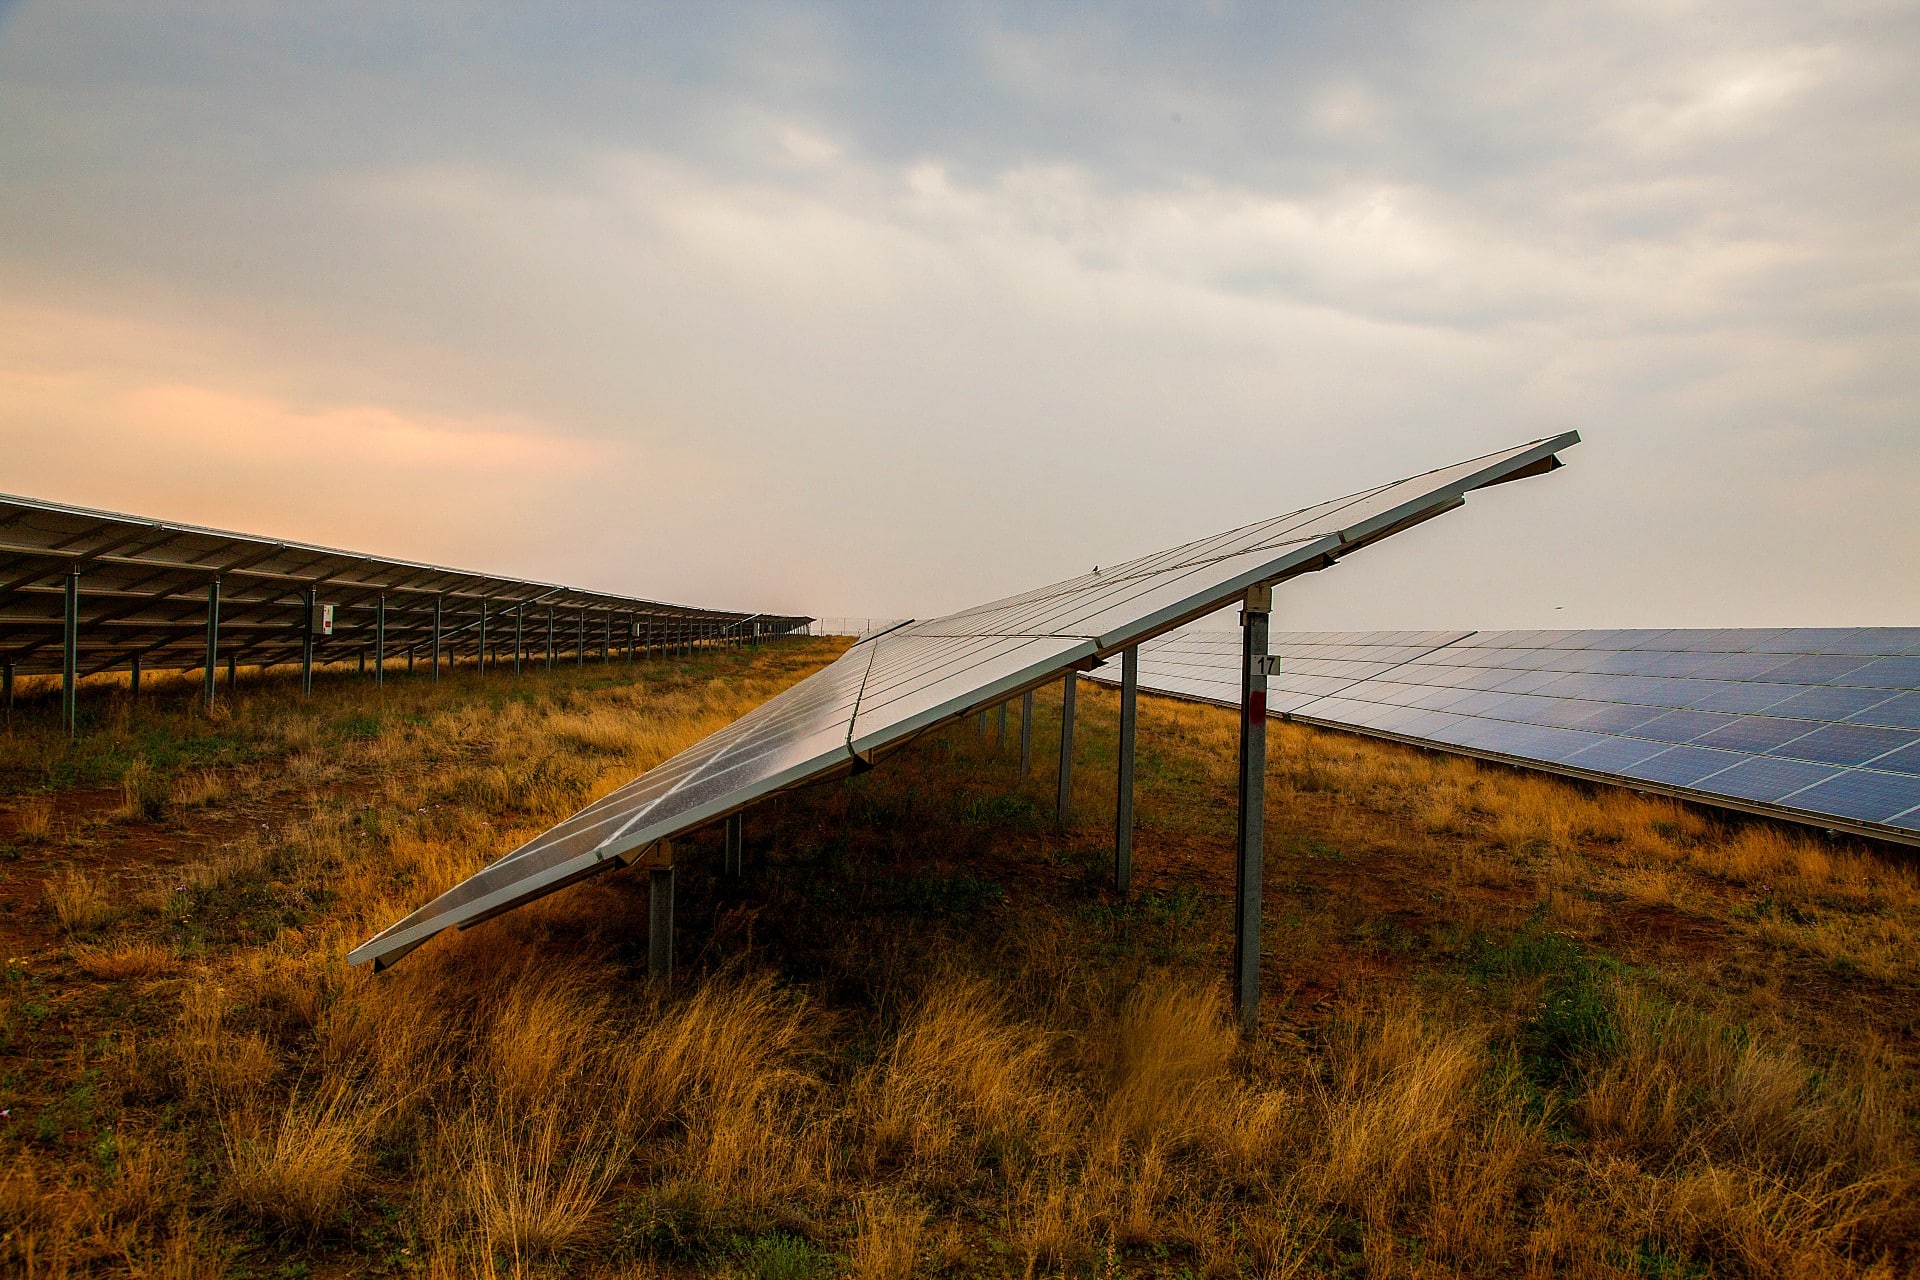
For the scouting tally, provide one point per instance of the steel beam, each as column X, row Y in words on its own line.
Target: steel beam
column 1026, row 733
column 1063, row 809
column 1123, row 801
column 660, row 922
column 1254, row 668
column 306, row 640
column 70, row 657
column 213, row 636
column 736, row 837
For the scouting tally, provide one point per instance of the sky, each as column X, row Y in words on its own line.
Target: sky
column 890, row 309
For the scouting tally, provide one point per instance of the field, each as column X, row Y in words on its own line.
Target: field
column 1514, row 1026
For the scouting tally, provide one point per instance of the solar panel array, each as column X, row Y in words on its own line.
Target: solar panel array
column 899, row 683
column 1818, row 725
column 142, row 590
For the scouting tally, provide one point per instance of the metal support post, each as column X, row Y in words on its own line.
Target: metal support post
column 1026, row 733
column 306, row 640
column 606, row 639
column 379, row 642
column 1063, row 810
column 580, row 639
column 736, row 836
column 233, row 670
column 660, row 920
column 436, row 639
column 1123, row 803
column 549, row 637
column 482, row 657
column 133, row 679
column 519, row 633
column 70, row 657
column 1254, row 668
column 213, row 636
column 630, row 625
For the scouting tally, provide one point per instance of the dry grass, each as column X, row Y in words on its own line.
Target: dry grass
column 82, row 903
column 299, row 1168
column 33, row 819
column 1514, row 1026
column 130, row 961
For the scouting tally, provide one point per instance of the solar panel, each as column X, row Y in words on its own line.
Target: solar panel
column 887, row 689
column 141, row 594
column 1817, row 725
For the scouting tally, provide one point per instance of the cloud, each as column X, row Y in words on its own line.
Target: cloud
column 887, row 314
column 274, row 434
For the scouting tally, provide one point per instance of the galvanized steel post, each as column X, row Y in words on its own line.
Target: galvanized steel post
column 606, row 640
column 481, row 656
column 519, row 632
column 133, row 678
column 436, row 639
column 70, row 657
column 1123, row 801
column 1063, row 810
column 549, row 637
column 306, row 640
column 1026, row 733
column 1254, row 667
column 213, row 636
column 736, row 837
column 660, row 918
column 379, row 643
column 580, row 639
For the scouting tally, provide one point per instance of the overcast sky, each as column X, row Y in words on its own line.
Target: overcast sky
column 889, row 309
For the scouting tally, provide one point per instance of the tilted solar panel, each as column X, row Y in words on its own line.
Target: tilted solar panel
column 1817, row 725
column 889, row 688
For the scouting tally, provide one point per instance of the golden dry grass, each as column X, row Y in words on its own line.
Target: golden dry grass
column 82, row 903
column 1515, row 1026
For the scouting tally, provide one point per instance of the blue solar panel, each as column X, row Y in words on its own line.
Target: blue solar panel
column 1838, row 743
column 1829, row 702
column 1858, row 793
column 1902, row 712
column 1846, row 744
column 1905, row 760
column 1756, row 733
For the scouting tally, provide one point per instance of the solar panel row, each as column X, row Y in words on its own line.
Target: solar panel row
column 96, row 591
column 1819, row 725
column 899, row 683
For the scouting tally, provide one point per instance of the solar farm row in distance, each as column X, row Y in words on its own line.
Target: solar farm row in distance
column 142, row 592
column 1815, row 725
column 897, row 684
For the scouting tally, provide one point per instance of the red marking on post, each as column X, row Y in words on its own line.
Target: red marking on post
column 1256, row 706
